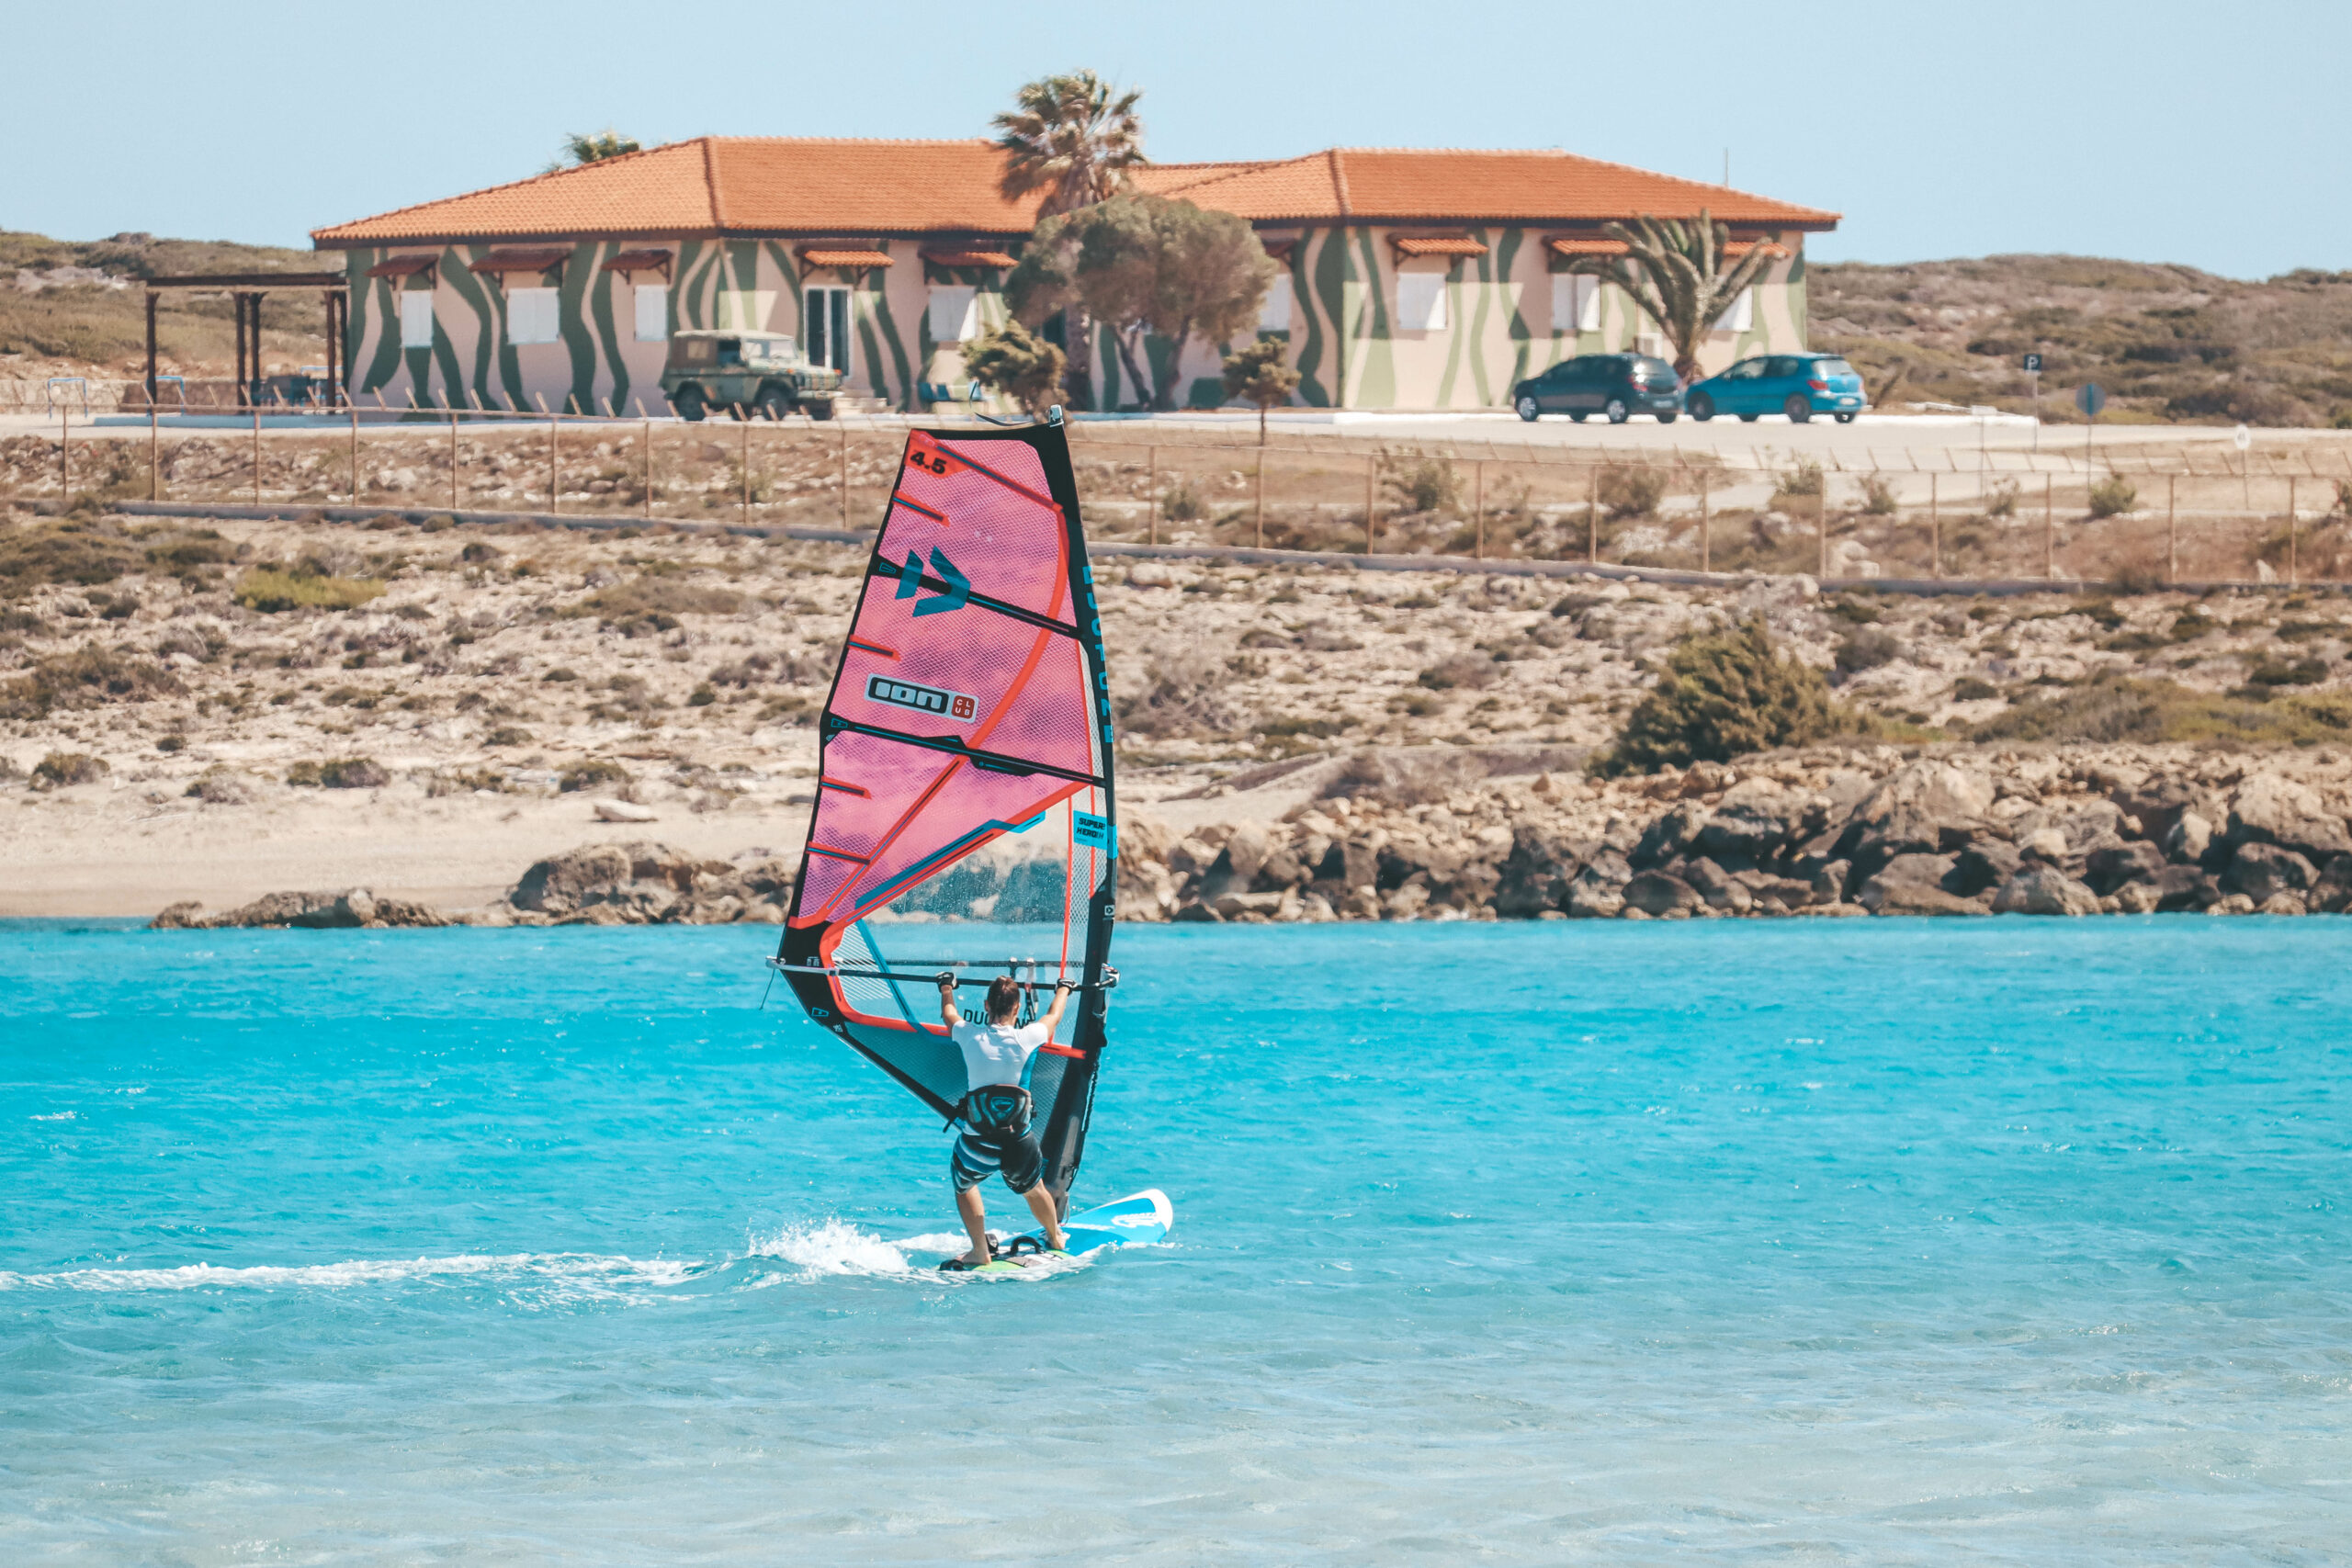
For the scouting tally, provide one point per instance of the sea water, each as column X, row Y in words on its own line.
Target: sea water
column 1871, row 1242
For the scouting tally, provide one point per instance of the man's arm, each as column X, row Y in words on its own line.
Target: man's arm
column 1063, row 991
column 947, row 1013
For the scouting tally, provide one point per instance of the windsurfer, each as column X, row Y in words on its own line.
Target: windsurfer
column 996, row 1136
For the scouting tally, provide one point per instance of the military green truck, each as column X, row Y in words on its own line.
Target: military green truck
column 762, row 373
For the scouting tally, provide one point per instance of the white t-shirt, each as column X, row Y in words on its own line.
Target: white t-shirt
column 998, row 1053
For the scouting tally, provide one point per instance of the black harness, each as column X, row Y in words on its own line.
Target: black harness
column 995, row 1109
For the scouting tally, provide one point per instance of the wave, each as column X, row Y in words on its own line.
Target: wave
column 561, row 1273
column 837, row 1248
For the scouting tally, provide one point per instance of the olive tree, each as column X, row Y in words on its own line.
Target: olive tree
column 1015, row 361
column 1259, row 374
column 1146, row 265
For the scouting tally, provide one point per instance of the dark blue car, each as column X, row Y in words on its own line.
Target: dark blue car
column 1797, row 385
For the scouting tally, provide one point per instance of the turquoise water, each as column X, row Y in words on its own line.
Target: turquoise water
column 1879, row 1242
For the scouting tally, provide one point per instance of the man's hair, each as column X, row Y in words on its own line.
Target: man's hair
column 1004, row 1000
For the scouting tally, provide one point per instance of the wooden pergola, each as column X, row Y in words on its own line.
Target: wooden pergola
column 247, row 289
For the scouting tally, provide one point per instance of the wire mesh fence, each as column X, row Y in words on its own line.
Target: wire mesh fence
column 2154, row 512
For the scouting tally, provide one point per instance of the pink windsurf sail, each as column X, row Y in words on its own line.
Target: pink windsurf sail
column 964, row 820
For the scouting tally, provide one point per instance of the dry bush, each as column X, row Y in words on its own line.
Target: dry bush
column 1183, row 694
column 60, row 769
column 1405, row 778
column 1474, row 671
column 1630, row 492
column 86, row 678
column 341, row 773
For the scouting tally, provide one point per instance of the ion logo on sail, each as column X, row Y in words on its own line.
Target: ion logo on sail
column 923, row 699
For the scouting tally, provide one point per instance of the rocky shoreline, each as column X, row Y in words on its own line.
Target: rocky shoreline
column 1824, row 832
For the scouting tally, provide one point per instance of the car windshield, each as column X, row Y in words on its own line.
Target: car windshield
column 1827, row 367
column 1652, row 370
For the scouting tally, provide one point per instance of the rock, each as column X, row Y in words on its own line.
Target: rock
column 1829, row 882
column 1912, row 885
column 1982, row 866
column 2180, row 888
column 2045, row 844
column 1754, row 818
column 308, row 911
column 1590, row 899
column 2281, row 903
column 2045, row 890
column 1671, row 835
column 2158, row 803
column 2084, row 824
column 2107, row 869
column 184, row 916
column 2332, row 893
column 1196, row 910
column 634, row 881
column 2234, row 904
column 1655, row 893
column 2137, row 898
column 1716, row 887
column 2261, row 871
column 624, row 811
column 1923, row 808
column 2268, row 809
column 2189, row 839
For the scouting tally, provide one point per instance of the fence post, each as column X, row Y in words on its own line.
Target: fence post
column 747, row 469
column 353, row 409
column 1592, row 516
column 1371, row 502
column 1821, row 527
column 256, row 405
column 2172, row 529
column 1479, row 536
column 553, row 506
column 65, row 465
column 1260, row 473
column 155, row 452
column 2049, row 527
column 1706, row 523
column 648, row 469
column 1935, row 530
column 1152, row 484
column 844, row 477
column 452, row 456
column 2292, row 572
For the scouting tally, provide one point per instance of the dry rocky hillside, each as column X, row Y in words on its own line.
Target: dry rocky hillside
column 1296, row 743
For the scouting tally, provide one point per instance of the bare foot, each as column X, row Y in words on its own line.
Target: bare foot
column 976, row 1257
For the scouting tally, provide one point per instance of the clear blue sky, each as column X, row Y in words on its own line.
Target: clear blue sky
column 2158, row 130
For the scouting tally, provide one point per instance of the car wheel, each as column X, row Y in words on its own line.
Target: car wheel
column 1578, row 417
column 1702, row 407
column 1617, row 411
column 772, row 403
column 1667, row 418
column 1797, row 409
column 1528, row 410
column 820, row 408
column 688, row 402
column 1845, row 419
column 1748, row 419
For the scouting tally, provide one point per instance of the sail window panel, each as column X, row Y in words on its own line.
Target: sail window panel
column 1421, row 301
column 652, row 313
column 416, row 319
column 1274, row 315
column 534, row 315
column 955, row 312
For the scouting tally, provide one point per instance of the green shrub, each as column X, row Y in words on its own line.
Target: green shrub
column 1470, row 670
column 1416, row 483
column 646, row 605
column 60, row 769
column 2302, row 672
column 1722, row 696
column 2113, row 709
column 593, row 774
column 65, row 552
column 271, row 592
column 2111, row 497
column 342, row 773
column 1969, row 689
column 702, row 696
column 1866, row 647
column 1799, row 479
column 1631, row 493
column 1878, row 495
column 85, row 678
column 1180, row 504
column 2001, row 499
column 507, row 734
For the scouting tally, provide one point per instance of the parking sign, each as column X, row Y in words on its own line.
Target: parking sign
column 2033, row 363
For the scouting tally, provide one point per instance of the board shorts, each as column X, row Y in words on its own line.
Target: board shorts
column 978, row 1155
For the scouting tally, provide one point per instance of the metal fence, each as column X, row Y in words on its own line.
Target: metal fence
column 2183, row 509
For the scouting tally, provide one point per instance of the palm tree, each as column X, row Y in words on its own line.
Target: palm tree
column 1073, row 140
column 1676, row 273
column 1070, row 139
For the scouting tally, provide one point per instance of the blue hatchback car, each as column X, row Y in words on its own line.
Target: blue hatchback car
column 1798, row 384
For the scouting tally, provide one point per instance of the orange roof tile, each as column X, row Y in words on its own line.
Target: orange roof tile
column 1438, row 245
column 729, row 184
column 969, row 258
column 819, row 256
column 1579, row 246
column 1374, row 184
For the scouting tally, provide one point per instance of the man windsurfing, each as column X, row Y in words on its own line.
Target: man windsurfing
column 995, row 1113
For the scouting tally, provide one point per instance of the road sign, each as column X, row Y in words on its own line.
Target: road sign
column 2090, row 397
column 2033, row 363
column 2242, row 437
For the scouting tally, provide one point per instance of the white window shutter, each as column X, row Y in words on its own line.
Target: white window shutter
column 532, row 315
column 416, row 319
column 1274, row 315
column 1563, row 302
column 1587, row 304
column 652, row 313
column 1421, row 301
column 952, row 313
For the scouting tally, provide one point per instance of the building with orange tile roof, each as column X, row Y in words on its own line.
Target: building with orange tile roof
column 1410, row 278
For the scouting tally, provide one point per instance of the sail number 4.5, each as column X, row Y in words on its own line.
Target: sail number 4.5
column 923, row 699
